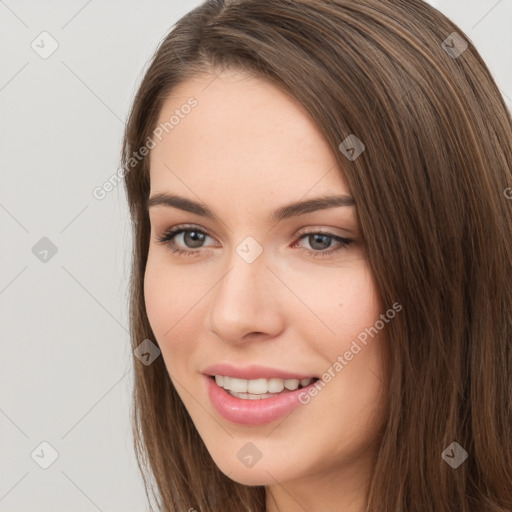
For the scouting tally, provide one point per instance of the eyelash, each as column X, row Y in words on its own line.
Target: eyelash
column 167, row 239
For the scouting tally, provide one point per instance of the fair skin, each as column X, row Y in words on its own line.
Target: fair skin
column 244, row 151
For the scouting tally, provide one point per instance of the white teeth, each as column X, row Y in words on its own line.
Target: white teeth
column 238, row 385
column 275, row 385
column 249, row 388
column 256, row 387
column 291, row 384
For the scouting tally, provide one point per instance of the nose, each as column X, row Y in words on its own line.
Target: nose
column 245, row 304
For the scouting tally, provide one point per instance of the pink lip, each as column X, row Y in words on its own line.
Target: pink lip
column 252, row 372
column 252, row 412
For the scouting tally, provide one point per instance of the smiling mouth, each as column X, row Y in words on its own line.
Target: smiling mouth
column 257, row 389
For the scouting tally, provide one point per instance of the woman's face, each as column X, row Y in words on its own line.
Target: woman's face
column 263, row 296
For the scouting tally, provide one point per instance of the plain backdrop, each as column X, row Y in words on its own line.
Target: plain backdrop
column 65, row 362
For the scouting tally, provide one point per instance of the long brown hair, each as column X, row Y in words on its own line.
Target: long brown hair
column 430, row 194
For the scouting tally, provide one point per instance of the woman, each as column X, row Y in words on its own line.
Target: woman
column 322, row 241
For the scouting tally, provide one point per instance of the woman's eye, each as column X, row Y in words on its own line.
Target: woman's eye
column 187, row 241
column 321, row 244
column 184, row 241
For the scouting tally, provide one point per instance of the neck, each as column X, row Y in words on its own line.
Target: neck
column 338, row 489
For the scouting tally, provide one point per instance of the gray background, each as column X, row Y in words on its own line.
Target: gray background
column 65, row 353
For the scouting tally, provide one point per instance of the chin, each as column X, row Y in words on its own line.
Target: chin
column 264, row 472
column 250, row 476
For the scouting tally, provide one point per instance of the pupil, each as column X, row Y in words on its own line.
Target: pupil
column 195, row 237
column 320, row 238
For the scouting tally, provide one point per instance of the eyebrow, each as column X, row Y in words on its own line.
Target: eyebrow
column 284, row 212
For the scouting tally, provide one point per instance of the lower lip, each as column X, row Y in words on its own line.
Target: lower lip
column 252, row 412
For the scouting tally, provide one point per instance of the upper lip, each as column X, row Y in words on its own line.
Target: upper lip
column 253, row 372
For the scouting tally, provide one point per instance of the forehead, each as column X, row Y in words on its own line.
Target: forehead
column 243, row 137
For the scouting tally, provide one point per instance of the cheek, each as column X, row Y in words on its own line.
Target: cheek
column 342, row 301
column 358, row 304
column 169, row 298
column 158, row 297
